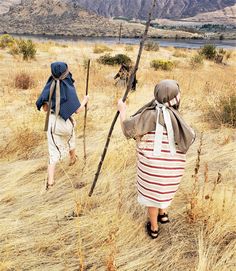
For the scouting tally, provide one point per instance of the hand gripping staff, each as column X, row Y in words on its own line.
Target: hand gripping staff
column 129, row 86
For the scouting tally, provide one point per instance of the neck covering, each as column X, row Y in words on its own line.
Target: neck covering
column 160, row 113
column 59, row 92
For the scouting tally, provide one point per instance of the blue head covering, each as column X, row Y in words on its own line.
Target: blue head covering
column 69, row 101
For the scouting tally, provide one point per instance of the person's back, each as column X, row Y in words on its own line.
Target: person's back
column 60, row 101
column 163, row 138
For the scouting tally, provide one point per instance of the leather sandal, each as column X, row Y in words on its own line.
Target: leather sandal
column 163, row 219
column 150, row 232
column 48, row 186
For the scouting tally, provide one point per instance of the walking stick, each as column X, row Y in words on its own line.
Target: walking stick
column 129, row 86
column 120, row 32
column 86, row 111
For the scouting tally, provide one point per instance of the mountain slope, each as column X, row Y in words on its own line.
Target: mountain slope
column 6, row 4
column 226, row 15
column 172, row 9
column 55, row 17
column 68, row 18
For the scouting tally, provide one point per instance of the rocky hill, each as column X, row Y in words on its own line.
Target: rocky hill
column 6, row 4
column 172, row 9
column 56, row 17
column 226, row 16
column 52, row 17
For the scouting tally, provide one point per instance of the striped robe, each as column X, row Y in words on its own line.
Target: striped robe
column 158, row 178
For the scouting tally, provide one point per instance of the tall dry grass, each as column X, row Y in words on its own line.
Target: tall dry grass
column 106, row 232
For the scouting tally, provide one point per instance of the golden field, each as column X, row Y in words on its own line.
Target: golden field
column 108, row 233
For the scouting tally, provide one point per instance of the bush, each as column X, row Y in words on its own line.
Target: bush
column 165, row 65
column 6, row 41
column 229, row 111
column 114, row 60
column 196, row 61
column 14, row 50
column 99, row 49
column 228, row 55
column 23, row 81
column 179, row 53
column 151, row 46
column 222, row 110
column 27, row 48
column 209, row 51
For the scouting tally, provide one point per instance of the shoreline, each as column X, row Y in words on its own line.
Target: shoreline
column 192, row 43
column 79, row 37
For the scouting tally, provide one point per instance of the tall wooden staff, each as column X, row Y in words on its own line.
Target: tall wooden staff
column 86, row 111
column 129, row 86
column 120, row 32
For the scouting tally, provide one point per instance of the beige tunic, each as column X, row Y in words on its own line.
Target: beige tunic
column 61, row 138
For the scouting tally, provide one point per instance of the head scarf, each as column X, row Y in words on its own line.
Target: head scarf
column 59, row 92
column 160, row 113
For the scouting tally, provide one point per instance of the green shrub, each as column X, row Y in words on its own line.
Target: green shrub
column 196, row 61
column 114, row 60
column 209, row 51
column 27, row 48
column 151, row 46
column 99, row 49
column 6, row 41
column 165, row 65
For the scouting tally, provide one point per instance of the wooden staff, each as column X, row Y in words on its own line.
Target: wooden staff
column 129, row 86
column 120, row 32
column 86, row 110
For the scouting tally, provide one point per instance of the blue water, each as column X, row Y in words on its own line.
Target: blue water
column 182, row 43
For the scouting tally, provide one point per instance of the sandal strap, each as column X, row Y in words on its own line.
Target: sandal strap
column 151, row 233
column 163, row 216
column 160, row 218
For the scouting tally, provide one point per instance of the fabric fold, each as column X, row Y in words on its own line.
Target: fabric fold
column 166, row 94
column 59, row 92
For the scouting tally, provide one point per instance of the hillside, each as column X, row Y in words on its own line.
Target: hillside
column 39, row 231
column 65, row 18
column 171, row 9
column 223, row 16
column 6, row 4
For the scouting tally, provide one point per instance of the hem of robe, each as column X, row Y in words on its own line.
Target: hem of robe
column 149, row 203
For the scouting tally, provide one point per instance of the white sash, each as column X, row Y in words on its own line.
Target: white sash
column 160, row 129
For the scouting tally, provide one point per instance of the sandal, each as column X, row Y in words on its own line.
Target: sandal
column 163, row 219
column 48, row 186
column 150, row 232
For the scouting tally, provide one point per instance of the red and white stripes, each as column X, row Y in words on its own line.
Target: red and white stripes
column 158, row 178
column 174, row 101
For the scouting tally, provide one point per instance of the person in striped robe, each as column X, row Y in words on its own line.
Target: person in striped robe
column 163, row 139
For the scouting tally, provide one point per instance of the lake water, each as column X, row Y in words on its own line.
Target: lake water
column 182, row 43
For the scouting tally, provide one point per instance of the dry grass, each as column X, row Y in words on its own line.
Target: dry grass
column 107, row 232
column 101, row 48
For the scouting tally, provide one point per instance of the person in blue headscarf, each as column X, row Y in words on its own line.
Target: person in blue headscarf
column 60, row 101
